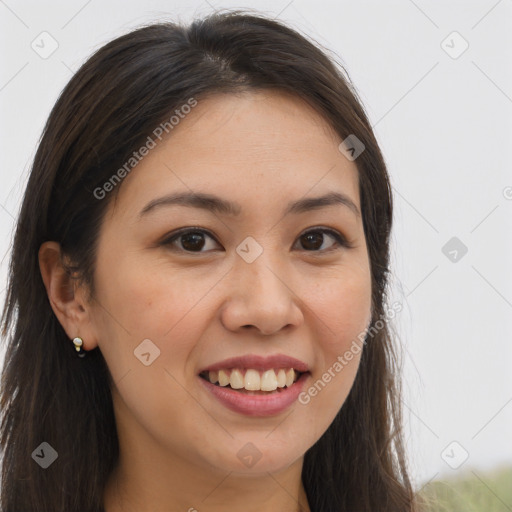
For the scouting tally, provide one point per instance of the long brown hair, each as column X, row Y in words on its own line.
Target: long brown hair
column 108, row 109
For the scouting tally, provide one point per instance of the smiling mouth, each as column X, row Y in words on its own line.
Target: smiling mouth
column 253, row 382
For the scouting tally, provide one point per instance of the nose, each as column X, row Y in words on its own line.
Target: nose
column 260, row 296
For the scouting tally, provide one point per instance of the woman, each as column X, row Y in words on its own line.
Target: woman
column 195, row 314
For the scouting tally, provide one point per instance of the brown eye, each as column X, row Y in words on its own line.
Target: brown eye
column 191, row 240
column 314, row 240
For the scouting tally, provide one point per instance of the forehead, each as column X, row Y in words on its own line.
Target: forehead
column 252, row 144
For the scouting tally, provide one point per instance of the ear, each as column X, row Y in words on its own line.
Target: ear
column 67, row 298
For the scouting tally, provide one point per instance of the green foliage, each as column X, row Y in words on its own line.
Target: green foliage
column 474, row 491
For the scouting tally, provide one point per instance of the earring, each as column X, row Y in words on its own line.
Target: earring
column 78, row 342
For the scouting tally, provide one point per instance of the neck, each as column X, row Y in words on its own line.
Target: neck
column 194, row 490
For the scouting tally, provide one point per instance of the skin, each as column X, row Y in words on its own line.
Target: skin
column 178, row 444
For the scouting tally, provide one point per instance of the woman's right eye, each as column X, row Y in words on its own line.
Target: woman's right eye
column 190, row 240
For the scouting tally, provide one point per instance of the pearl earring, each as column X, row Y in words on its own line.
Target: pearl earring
column 78, row 342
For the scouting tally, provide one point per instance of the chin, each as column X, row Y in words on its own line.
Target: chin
column 256, row 455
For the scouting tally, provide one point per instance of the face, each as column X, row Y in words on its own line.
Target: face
column 184, row 285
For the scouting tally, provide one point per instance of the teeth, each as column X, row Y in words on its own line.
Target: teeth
column 268, row 381
column 290, row 377
column 223, row 378
column 281, row 378
column 253, row 380
column 236, row 379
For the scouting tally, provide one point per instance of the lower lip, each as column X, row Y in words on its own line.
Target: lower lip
column 257, row 405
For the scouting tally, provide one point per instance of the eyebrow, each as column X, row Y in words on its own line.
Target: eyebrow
column 216, row 204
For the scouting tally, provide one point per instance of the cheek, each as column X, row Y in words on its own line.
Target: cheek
column 342, row 306
column 140, row 301
column 149, row 298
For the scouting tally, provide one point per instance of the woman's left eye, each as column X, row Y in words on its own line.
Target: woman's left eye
column 198, row 240
column 314, row 240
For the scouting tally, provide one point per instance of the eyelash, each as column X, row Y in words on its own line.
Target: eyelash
column 341, row 241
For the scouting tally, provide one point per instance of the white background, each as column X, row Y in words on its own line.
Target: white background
column 444, row 125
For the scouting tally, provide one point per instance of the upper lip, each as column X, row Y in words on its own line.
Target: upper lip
column 256, row 362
